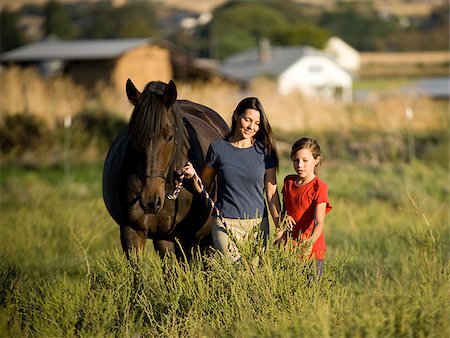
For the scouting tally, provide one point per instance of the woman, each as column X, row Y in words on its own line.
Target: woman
column 245, row 163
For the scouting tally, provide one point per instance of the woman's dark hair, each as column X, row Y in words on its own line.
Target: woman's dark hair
column 264, row 133
column 310, row 144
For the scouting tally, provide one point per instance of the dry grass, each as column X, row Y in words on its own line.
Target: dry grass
column 24, row 92
column 401, row 58
column 397, row 7
column 400, row 7
column 425, row 63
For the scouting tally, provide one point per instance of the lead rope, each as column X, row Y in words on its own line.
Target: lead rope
column 177, row 189
column 176, row 192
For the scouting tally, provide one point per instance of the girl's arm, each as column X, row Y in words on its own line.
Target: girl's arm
column 319, row 217
column 273, row 198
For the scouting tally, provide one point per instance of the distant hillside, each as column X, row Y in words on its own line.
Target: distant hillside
column 397, row 7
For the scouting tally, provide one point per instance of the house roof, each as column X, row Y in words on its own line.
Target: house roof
column 73, row 50
column 247, row 65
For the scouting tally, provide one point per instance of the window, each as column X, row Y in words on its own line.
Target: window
column 315, row 69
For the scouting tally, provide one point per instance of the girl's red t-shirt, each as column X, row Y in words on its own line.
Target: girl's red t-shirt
column 300, row 203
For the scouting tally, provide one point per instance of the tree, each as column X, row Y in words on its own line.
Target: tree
column 428, row 33
column 133, row 20
column 241, row 26
column 98, row 21
column 361, row 27
column 302, row 34
column 137, row 19
column 57, row 21
column 10, row 35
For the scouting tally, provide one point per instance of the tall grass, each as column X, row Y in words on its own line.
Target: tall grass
column 62, row 272
column 387, row 271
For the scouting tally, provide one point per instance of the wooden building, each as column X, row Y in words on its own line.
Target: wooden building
column 110, row 62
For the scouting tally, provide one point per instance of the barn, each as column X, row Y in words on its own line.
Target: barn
column 111, row 62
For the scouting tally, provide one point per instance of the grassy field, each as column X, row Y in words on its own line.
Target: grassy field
column 387, row 270
column 62, row 272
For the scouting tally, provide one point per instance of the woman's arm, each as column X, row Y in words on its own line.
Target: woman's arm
column 272, row 195
column 207, row 176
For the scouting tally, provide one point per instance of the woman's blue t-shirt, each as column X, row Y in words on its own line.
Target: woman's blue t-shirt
column 240, row 176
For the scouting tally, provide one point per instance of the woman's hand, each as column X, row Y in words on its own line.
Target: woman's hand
column 280, row 237
column 188, row 170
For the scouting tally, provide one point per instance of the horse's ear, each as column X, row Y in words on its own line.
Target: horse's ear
column 170, row 94
column 132, row 93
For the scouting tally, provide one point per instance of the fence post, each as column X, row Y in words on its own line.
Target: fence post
column 411, row 139
column 67, row 146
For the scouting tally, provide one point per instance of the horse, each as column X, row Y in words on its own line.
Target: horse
column 143, row 167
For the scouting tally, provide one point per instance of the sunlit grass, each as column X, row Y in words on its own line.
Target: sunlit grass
column 387, row 269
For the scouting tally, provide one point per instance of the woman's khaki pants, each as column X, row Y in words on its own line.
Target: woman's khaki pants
column 240, row 230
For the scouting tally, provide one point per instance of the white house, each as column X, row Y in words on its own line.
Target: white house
column 345, row 55
column 295, row 68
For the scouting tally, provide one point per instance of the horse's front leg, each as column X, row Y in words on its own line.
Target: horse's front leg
column 163, row 247
column 132, row 239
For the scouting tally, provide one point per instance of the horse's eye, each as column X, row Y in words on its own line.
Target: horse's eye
column 168, row 136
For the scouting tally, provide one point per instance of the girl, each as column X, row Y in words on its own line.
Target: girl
column 245, row 163
column 305, row 199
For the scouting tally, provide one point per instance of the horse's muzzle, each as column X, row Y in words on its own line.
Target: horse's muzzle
column 152, row 206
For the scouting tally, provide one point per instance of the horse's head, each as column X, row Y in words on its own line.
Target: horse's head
column 157, row 137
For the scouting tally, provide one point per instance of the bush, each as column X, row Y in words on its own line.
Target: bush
column 19, row 133
column 96, row 128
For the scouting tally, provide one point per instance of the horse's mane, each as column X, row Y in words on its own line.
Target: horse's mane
column 146, row 122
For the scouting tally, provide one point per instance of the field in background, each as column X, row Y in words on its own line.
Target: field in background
column 397, row 7
column 25, row 92
column 375, row 130
column 401, row 8
column 412, row 64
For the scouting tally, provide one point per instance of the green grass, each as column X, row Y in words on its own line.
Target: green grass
column 387, row 271
column 382, row 83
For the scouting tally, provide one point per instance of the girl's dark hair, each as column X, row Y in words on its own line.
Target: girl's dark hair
column 310, row 144
column 264, row 133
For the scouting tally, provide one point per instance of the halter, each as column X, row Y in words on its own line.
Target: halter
column 176, row 192
column 172, row 196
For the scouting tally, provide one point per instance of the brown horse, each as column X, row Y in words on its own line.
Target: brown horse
column 144, row 164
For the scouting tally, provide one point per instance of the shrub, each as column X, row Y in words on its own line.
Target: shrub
column 22, row 132
column 96, row 128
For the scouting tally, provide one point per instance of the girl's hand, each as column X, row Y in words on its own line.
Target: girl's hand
column 286, row 222
column 188, row 170
column 290, row 223
column 309, row 246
